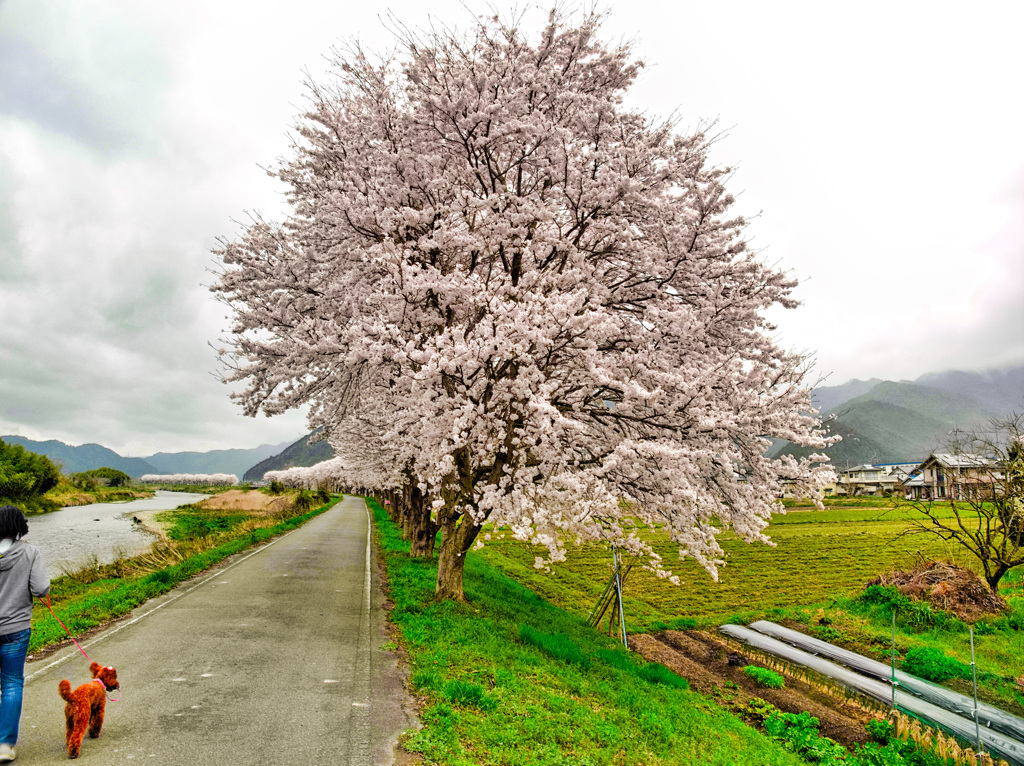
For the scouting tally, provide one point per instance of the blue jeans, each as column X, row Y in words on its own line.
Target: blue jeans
column 13, row 649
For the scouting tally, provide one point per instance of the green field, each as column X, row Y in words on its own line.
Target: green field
column 819, row 565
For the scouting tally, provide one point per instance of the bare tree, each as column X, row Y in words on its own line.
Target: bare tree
column 982, row 478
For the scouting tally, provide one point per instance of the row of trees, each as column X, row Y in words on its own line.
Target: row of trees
column 198, row 479
column 507, row 297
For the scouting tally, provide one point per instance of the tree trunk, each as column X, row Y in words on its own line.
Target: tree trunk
column 408, row 513
column 423, row 529
column 458, row 532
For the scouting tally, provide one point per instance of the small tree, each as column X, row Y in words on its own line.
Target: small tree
column 985, row 490
column 24, row 474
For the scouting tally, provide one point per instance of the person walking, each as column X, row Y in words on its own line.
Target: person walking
column 22, row 576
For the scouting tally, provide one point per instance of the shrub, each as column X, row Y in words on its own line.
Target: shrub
column 934, row 665
column 304, row 502
column 769, row 679
column 24, row 474
column 114, row 477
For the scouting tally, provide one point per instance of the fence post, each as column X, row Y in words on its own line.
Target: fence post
column 893, row 659
column 618, row 592
column 974, row 678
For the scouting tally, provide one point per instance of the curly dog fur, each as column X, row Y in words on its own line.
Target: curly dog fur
column 86, row 704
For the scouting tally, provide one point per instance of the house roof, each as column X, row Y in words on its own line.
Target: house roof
column 957, row 460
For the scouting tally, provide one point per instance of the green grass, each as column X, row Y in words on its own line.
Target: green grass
column 85, row 604
column 191, row 522
column 510, row 679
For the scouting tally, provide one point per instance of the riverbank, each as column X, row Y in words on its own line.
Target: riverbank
column 99, row 533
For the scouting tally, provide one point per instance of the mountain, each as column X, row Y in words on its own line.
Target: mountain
column 86, row 457
column 1001, row 391
column 301, row 453
column 890, row 422
column 230, row 461
column 827, row 397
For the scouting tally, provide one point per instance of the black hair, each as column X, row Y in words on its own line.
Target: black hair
column 12, row 523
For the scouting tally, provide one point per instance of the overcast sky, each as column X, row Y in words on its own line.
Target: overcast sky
column 880, row 142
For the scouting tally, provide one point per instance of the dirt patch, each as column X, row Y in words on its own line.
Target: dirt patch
column 253, row 501
column 947, row 586
column 148, row 522
column 715, row 669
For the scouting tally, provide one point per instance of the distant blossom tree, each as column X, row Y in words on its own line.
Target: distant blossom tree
column 198, row 479
column 502, row 289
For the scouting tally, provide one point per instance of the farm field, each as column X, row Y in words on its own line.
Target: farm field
column 818, row 556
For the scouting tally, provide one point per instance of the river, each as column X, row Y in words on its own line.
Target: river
column 70, row 538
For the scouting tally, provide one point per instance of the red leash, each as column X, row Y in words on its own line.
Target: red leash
column 47, row 602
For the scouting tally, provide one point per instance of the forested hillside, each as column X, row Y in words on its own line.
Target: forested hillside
column 889, row 422
column 301, row 453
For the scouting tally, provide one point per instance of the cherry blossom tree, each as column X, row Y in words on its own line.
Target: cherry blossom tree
column 502, row 287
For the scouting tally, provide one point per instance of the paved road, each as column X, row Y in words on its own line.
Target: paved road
column 273, row 658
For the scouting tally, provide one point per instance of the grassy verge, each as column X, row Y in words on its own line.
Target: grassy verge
column 814, row 577
column 197, row 541
column 510, row 679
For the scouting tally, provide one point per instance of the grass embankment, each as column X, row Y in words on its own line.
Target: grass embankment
column 510, row 679
column 66, row 495
column 196, row 540
column 814, row 576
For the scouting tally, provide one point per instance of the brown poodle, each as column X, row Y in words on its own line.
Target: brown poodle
column 85, row 705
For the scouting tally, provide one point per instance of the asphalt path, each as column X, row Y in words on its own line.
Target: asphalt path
column 272, row 658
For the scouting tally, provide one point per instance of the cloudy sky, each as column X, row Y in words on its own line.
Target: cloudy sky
column 878, row 144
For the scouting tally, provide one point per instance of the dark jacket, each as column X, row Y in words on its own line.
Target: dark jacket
column 22, row 576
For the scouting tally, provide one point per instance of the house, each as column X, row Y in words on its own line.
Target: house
column 870, row 479
column 948, row 476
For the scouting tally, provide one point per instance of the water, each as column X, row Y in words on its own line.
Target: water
column 70, row 538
